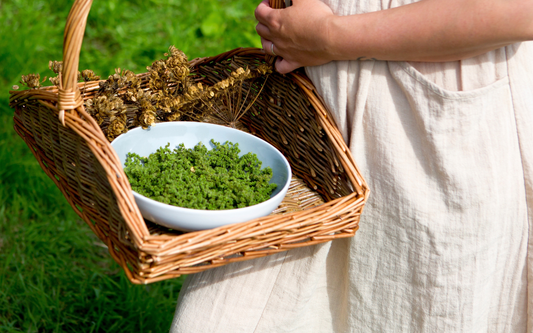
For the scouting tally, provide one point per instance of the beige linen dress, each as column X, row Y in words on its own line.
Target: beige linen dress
column 446, row 239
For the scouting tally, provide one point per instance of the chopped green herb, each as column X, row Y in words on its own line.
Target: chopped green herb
column 200, row 178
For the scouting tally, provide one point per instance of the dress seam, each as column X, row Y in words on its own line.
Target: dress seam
column 511, row 91
column 444, row 93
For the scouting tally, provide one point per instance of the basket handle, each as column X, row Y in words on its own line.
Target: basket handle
column 277, row 4
column 69, row 97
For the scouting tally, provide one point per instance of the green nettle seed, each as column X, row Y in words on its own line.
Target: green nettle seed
column 200, row 178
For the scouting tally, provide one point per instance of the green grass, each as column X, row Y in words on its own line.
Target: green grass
column 55, row 275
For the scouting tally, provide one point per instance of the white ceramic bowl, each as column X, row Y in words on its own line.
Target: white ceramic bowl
column 145, row 142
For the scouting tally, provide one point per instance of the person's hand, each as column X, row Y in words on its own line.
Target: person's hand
column 299, row 33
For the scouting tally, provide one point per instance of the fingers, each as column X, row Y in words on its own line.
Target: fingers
column 266, row 20
column 268, row 47
column 283, row 66
column 262, row 30
column 262, row 11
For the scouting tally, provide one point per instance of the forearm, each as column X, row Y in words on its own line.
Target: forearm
column 430, row 30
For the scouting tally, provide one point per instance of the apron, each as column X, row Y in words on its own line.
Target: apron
column 445, row 241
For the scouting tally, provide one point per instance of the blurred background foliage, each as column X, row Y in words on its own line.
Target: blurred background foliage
column 55, row 275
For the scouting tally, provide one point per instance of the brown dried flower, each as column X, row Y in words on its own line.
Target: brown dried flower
column 169, row 93
column 32, row 80
column 171, row 73
column 264, row 69
column 55, row 66
column 117, row 127
column 88, row 75
column 146, row 111
column 54, row 80
column 102, row 108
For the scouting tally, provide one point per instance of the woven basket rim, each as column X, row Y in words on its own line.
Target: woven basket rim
column 51, row 94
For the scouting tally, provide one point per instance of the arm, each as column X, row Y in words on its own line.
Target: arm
column 309, row 34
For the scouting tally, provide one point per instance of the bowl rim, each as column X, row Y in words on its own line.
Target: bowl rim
column 205, row 212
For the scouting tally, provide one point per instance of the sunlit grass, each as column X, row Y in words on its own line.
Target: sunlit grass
column 55, row 275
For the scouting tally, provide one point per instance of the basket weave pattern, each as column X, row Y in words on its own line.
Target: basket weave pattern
column 76, row 155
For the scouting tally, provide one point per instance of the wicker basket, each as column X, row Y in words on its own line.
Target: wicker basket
column 73, row 151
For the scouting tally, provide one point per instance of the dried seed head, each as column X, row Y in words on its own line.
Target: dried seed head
column 32, row 80
column 89, row 75
column 173, row 94
column 146, row 119
column 264, row 69
column 54, row 80
column 55, row 66
column 174, row 116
